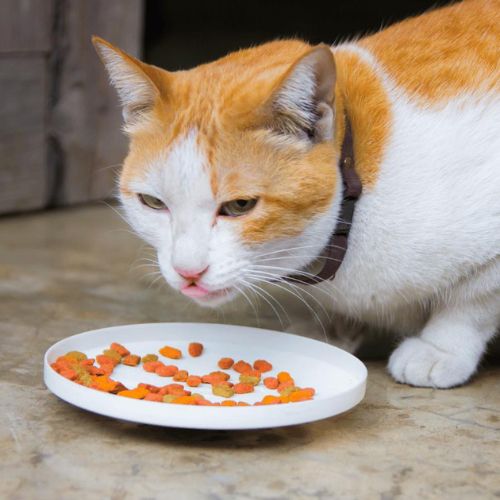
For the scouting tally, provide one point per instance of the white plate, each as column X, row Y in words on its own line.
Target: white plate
column 338, row 377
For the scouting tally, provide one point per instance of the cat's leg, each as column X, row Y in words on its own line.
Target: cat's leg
column 450, row 346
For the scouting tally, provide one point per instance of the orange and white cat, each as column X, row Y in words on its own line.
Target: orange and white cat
column 232, row 175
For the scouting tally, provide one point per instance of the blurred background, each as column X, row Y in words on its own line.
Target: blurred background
column 60, row 138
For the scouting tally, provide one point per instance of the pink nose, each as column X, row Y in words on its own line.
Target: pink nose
column 190, row 274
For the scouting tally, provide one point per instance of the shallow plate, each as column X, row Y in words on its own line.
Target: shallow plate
column 338, row 377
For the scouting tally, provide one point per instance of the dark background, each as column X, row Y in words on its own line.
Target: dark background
column 183, row 34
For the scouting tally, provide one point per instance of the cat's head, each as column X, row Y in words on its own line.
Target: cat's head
column 231, row 173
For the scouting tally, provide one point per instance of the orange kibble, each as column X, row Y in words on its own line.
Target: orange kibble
column 242, row 388
column 151, row 366
column 284, row 398
column 121, row 350
column 228, row 402
column 87, row 362
column 170, row 352
column 137, row 393
column 103, row 383
column 181, row 376
column 271, row 382
column 131, row 360
column 242, row 366
column 69, row 374
column 262, row 365
column 153, row 397
column 150, row 387
column 166, row 370
column 284, row 385
column 301, row 395
column 93, row 370
column 195, row 349
column 270, row 400
column 185, row 400
column 284, row 377
column 102, row 359
column 225, row 363
column 193, row 381
column 203, row 402
column 242, row 403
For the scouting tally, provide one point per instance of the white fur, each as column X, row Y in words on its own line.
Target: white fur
column 424, row 249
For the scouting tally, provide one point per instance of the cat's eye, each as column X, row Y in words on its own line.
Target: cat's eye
column 152, row 202
column 235, row 208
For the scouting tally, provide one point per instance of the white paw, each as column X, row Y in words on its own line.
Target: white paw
column 416, row 362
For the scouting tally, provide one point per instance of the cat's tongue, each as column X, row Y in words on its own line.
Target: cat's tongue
column 194, row 291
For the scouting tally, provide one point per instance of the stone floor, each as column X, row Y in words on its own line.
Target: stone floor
column 63, row 272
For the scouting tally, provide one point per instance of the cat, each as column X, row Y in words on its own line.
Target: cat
column 233, row 177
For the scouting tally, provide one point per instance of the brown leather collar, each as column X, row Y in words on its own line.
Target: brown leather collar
column 334, row 252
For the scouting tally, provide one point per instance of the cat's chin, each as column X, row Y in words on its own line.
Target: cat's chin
column 216, row 299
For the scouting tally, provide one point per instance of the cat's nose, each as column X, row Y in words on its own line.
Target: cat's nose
column 191, row 274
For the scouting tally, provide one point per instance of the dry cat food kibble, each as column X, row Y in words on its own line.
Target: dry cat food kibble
column 195, row 349
column 95, row 373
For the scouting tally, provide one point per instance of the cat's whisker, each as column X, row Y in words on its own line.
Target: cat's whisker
column 291, row 249
column 256, row 290
column 320, row 257
column 280, row 280
column 240, row 290
column 318, row 319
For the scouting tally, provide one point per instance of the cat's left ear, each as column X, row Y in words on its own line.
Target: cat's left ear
column 302, row 104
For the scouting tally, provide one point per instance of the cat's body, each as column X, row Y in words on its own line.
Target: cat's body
column 424, row 248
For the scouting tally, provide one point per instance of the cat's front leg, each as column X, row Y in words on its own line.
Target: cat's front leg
column 448, row 350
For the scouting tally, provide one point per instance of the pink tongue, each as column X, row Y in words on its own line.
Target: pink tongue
column 194, row 291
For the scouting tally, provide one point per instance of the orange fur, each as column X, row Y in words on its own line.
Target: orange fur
column 439, row 54
column 432, row 57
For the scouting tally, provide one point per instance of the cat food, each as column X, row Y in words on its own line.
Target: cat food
column 77, row 367
column 195, row 349
column 225, row 363
column 171, row 352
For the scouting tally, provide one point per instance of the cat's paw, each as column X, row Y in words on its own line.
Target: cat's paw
column 419, row 363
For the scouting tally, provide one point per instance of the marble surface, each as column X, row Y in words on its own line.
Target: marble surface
column 63, row 272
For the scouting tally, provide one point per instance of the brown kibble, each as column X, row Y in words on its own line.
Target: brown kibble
column 250, row 377
column 195, row 349
column 115, row 356
column 281, row 387
column 149, row 357
column 223, row 390
column 77, row 355
column 225, row 363
column 131, row 360
column 288, row 390
column 121, row 350
column 262, row 365
column 171, row 352
column 169, row 398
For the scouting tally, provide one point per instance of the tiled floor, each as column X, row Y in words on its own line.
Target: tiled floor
column 63, row 272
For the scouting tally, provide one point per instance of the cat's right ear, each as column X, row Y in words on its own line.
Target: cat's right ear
column 133, row 80
column 302, row 104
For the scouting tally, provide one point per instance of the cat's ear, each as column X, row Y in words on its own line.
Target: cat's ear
column 133, row 80
column 302, row 104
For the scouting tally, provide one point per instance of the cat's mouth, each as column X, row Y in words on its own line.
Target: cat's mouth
column 202, row 294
